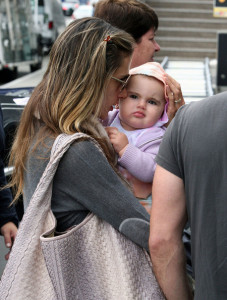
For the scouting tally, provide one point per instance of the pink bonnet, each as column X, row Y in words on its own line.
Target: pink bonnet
column 154, row 69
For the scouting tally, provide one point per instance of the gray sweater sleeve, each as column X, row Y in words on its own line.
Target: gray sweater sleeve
column 85, row 182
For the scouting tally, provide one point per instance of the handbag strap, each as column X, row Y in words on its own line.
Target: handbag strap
column 60, row 146
column 36, row 218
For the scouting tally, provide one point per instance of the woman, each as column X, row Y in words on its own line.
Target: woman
column 88, row 67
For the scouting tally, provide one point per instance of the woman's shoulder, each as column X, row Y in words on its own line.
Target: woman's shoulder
column 86, row 149
column 84, row 145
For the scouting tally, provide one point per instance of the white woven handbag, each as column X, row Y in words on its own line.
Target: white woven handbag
column 90, row 261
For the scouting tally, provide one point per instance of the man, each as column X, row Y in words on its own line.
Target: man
column 8, row 216
column 141, row 21
column 190, row 184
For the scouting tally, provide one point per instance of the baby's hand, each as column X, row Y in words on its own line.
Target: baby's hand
column 118, row 139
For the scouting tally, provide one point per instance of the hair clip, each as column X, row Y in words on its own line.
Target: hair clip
column 107, row 39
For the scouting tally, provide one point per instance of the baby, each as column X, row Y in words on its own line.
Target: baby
column 136, row 127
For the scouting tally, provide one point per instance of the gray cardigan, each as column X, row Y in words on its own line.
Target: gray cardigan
column 85, row 182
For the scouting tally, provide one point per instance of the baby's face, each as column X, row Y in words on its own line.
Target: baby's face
column 144, row 104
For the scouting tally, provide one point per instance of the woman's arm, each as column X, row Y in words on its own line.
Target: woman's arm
column 8, row 216
column 90, row 183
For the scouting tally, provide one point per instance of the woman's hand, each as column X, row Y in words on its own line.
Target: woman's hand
column 9, row 231
column 175, row 96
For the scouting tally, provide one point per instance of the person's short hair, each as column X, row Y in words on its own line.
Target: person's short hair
column 135, row 17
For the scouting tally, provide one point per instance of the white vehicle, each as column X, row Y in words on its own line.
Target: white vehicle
column 83, row 11
column 49, row 21
column 18, row 43
column 68, row 6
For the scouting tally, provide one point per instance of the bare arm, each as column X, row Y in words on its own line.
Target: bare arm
column 168, row 217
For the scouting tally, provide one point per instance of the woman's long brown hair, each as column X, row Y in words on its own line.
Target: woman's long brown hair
column 70, row 96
